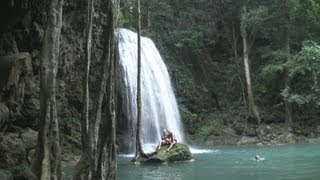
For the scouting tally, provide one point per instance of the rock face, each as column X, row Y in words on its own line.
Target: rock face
column 22, row 24
column 247, row 140
column 15, row 151
column 180, row 152
column 5, row 175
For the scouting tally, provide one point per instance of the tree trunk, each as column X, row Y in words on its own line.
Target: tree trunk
column 139, row 150
column 107, row 130
column 86, row 97
column 234, row 43
column 85, row 110
column 238, row 74
column 86, row 168
column 112, row 159
column 252, row 107
column 149, row 12
column 287, row 83
column 47, row 161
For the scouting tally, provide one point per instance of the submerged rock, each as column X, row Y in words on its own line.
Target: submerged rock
column 180, row 152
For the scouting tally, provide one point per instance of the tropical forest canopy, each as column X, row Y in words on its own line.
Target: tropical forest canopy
column 202, row 43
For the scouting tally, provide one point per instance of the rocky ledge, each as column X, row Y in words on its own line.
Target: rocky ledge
column 180, row 152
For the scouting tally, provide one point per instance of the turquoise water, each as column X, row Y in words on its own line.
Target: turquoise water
column 289, row 162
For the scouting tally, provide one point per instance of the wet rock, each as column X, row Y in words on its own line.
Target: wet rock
column 259, row 144
column 180, row 152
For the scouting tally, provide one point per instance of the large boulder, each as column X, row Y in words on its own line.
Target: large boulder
column 179, row 152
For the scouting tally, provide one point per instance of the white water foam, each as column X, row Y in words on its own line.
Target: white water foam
column 126, row 155
column 203, row 151
column 149, row 147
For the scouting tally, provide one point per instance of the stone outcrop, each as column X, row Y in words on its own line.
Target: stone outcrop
column 15, row 81
column 180, row 152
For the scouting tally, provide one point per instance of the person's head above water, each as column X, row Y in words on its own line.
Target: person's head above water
column 257, row 157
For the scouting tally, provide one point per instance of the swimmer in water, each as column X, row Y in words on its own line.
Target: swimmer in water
column 257, row 157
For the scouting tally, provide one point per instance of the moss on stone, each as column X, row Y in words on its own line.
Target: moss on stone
column 180, row 152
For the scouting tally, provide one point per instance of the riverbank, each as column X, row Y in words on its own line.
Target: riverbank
column 263, row 135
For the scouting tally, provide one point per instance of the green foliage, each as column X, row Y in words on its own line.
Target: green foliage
column 305, row 10
column 254, row 18
column 276, row 64
column 196, row 39
column 305, row 66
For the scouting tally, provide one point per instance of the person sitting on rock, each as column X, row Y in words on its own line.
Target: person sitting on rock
column 167, row 138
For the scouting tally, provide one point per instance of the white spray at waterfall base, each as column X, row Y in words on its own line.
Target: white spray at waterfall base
column 159, row 106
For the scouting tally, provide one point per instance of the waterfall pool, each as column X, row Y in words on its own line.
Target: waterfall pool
column 287, row 162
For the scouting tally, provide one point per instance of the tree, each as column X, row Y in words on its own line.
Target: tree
column 47, row 161
column 287, row 81
column 87, row 166
column 253, row 109
column 295, row 24
column 112, row 161
column 85, row 110
column 139, row 150
column 86, row 97
column 305, row 67
column 294, row 14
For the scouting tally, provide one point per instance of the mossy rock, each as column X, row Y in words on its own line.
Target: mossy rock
column 179, row 152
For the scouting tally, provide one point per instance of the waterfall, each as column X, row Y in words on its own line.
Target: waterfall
column 159, row 107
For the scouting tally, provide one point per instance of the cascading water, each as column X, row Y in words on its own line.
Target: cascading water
column 159, row 107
